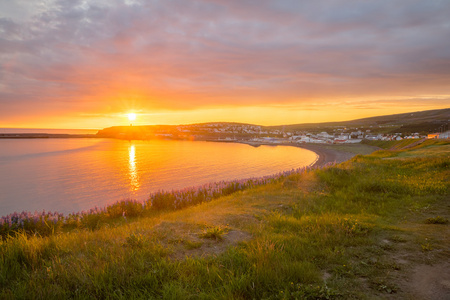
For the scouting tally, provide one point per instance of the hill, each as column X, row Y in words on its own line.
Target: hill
column 422, row 122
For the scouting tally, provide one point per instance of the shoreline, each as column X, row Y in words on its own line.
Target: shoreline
column 238, row 177
column 325, row 152
column 325, row 155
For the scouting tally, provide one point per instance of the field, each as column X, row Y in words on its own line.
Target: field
column 372, row 227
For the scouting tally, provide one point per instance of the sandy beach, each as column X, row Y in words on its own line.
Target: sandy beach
column 336, row 153
column 328, row 153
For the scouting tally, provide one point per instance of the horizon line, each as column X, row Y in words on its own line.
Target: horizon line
column 231, row 122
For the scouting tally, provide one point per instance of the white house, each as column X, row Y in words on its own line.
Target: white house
column 444, row 135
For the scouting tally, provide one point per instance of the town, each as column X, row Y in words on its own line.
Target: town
column 254, row 134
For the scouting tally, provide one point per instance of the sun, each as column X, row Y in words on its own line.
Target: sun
column 131, row 116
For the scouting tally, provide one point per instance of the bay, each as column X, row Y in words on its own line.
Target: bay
column 71, row 175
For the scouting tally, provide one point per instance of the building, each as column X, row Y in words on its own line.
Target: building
column 444, row 135
column 439, row 135
column 433, row 136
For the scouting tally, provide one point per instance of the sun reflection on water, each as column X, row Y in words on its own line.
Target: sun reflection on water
column 133, row 173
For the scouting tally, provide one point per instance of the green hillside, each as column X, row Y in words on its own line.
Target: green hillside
column 422, row 122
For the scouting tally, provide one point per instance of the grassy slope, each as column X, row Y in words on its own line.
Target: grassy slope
column 391, row 145
column 351, row 231
column 425, row 121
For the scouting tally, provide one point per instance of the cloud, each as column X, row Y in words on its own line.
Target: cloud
column 182, row 55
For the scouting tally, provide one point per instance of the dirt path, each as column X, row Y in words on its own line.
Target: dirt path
column 426, row 257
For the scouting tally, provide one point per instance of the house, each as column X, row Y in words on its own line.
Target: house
column 353, row 141
column 324, row 135
column 433, row 136
column 340, row 141
column 444, row 135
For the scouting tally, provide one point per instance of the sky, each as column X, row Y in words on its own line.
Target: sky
column 87, row 63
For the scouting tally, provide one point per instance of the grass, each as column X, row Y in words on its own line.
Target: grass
column 324, row 234
column 437, row 220
column 393, row 145
column 358, row 148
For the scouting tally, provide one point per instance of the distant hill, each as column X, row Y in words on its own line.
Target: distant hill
column 422, row 122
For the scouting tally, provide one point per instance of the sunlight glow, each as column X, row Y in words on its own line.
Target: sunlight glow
column 133, row 173
column 131, row 116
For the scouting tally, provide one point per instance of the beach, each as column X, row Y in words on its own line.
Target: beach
column 328, row 153
column 336, row 153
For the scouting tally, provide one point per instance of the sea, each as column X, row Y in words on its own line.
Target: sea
column 74, row 174
column 48, row 131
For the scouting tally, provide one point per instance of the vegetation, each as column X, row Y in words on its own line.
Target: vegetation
column 422, row 122
column 391, row 145
column 45, row 223
column 320, row 234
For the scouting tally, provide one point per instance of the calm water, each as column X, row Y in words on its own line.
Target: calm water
column 70, row 175
column 49, row 131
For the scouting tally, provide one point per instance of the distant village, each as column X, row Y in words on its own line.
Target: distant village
column 253, row 134
column 250, row 134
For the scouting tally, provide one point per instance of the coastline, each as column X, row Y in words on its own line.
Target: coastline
column 293, row 160
column 326, row 153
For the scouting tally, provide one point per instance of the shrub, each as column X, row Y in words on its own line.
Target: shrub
column 214, row 233
column 126, row 208
column 92, row 221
